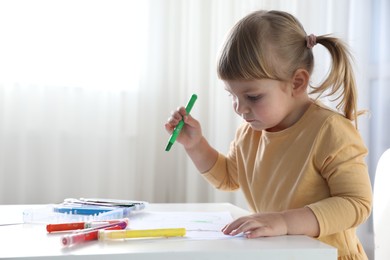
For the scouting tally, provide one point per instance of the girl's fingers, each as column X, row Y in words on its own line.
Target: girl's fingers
column 245, row 227
column 182, row 111
column 169, row 128
column 176, row 116
column 229, row 228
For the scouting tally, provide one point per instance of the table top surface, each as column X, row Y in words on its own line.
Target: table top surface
column 25, row 241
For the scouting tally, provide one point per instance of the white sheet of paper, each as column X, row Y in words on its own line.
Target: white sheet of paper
column 199, row 225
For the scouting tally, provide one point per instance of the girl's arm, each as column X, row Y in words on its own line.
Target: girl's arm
column 203, row 155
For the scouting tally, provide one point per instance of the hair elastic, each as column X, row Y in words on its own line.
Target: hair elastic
column 311, row 40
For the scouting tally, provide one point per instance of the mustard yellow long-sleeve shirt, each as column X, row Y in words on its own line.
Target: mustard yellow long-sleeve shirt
column 318, row 162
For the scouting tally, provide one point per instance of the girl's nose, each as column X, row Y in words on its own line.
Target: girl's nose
column 240, row 107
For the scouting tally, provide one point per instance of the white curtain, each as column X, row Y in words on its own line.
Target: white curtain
column 86, row 87
column 69, row 74
column 378, row 91
column 380, row 81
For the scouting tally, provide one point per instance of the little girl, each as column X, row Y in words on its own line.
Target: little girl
column 299, row 164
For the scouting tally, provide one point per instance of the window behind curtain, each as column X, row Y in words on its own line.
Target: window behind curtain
column 74, row 43
column 69, row 73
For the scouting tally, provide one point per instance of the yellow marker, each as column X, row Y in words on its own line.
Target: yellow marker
column 123, row 234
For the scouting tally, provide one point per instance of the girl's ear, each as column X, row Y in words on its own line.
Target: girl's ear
column 300, row 81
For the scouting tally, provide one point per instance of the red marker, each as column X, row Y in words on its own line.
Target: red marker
column 77, row 225
column 84, row 236
column 91, row 233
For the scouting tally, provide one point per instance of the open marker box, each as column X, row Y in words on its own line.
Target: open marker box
column 76, row 210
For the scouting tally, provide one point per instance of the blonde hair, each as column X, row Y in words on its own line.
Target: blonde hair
column 272, row 44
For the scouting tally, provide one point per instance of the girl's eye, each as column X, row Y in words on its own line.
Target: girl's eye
column 254, row 98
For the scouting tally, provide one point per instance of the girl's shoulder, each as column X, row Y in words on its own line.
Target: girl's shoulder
column 321, row 109
column 334, row 126
column 324, row 115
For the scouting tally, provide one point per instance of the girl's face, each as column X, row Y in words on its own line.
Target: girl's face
column 265, row 104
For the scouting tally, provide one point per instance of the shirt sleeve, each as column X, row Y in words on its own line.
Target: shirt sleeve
column 224, row 174
column 220, row 177
column 339, row 157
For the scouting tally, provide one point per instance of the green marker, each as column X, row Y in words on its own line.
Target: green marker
column 180, row 125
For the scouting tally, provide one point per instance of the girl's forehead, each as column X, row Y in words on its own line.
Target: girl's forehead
column 238, row 86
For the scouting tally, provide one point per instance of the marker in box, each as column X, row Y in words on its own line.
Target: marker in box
column 81, row 210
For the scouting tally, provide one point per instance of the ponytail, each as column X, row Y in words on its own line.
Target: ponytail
column 341, row 80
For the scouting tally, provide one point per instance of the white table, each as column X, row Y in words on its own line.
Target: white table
column 30, row 241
